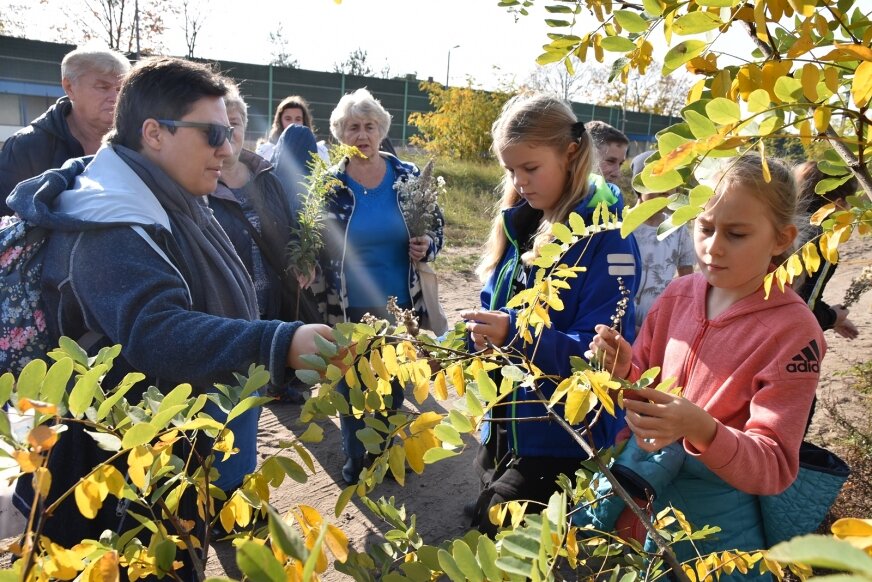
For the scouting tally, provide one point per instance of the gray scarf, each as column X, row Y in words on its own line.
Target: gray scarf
column 219, row 283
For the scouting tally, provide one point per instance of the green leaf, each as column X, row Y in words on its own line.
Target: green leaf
column 718, row 3
column 285, row 537
column 292, row 469
column 436, row 454
column 653, row 7
column 139, row 434
column 83, row 392
column 178, row 395
column 823, row 552
column 312, row 434
column 325, row 347
column 126, row 384
column 700, row 125
column 30, row 379
column 618, row 44
column 554, row 23
column 314, row 362
column 522, row 545
column 343, row 500
column 106, row 441
column 640, row 213
column 630, row 21
column 160, row 420
column 5, row 426
column 513, row 373
column 473, row 404
column 788, row 89
column 695, row 22
column 73, row 350
column 486, row 552
column 246, row 405
column 723, row 111
column 310, row 377
column 55, row 384
column 460, row 422
column 685, row 213
column 486, row 386
column 165, row 553
column 514, row 565
column 559, row 9
column 700, row 195
column 448, row 434
column 449, row 566
column 258, row 563
column 7, row 383
column 758, row 100
column 465, row 560
column 552, row 56
column 828, row 184
column 681, row 53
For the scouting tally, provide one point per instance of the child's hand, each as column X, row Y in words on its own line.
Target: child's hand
column 486, row 325
column 614, row 353
column 660, row 419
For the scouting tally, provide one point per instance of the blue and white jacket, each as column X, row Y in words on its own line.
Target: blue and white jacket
column 329, row 286
column 591, row 299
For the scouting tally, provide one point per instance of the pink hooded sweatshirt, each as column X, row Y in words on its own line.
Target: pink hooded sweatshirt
column 754, row 368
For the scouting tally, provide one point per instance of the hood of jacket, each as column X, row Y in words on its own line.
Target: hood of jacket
column 87, row 193
column 54, row 120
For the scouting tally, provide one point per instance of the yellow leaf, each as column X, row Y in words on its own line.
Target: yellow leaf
column 42, row 481
column 802, row 45
column 811, row 258
column 422, row 389
column 28, row 462
column 861, row 86
column 440, row 387
column 851, row 526
column 829, row 245
column 389, row 357
column 578, row 403
column 89, row 497
column 106, row 569
column 809, row 79
column 224, row 444
column 820, row 215
column 379, row 366
column 351, row 378
column 781, row 277
column 366, row 375
column 794, row 267
column 767, row 285
column 138, row 461
column 822, row 118
column 455, row 371
column 805, row 134
column 397, row 463
column 337, row 542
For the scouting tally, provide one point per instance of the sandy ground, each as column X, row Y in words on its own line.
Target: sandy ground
column 437, row 496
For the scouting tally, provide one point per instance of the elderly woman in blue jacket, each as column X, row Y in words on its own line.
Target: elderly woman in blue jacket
column 547, row 156
column 369, row 253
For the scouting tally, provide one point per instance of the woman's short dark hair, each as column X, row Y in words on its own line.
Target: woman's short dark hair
column 160, row 88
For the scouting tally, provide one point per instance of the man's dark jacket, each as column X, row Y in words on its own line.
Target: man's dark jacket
column 44, row 144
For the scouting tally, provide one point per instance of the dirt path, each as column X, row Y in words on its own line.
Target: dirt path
column 437, row 496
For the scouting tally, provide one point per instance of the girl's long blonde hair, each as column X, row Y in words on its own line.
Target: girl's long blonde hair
column 538, row 120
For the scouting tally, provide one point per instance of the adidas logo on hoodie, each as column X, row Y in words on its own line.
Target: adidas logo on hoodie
column 807, row 360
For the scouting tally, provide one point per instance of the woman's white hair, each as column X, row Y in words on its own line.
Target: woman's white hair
column 233, row 100
column 362, row 105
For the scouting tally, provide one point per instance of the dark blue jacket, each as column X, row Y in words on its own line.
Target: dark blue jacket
column 590, row 300
column 101, row 275
column 44, row 144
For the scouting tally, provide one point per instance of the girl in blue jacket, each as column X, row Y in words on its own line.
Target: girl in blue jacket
column 548, row 158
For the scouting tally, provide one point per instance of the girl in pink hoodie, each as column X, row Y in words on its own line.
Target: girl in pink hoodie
column 748, row 365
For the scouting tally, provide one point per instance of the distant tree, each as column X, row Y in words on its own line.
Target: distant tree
column 12, row 19
column 459, row 126
column 281, row 54
column 559, row 79
column 385, row 72
column 194, row 17
column 115, row 22
column 355, row 64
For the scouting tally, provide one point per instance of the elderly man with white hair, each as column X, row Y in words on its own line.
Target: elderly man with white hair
column 71, row 128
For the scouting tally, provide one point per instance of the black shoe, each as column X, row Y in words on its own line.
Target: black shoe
column 469, row 508
column 351, row 470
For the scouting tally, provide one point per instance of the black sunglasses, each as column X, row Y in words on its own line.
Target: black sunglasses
column 216, row 134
